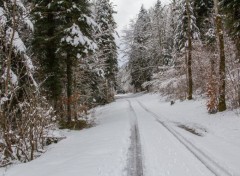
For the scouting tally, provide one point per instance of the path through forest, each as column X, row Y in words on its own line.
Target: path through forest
column 139, row 135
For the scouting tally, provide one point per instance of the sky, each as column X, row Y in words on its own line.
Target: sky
column 127, row 10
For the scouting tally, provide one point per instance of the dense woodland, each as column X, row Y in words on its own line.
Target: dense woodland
column 185, row 49
column 58, row 59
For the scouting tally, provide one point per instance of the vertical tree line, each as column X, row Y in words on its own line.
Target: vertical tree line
column 57, row 60
column 187, row 50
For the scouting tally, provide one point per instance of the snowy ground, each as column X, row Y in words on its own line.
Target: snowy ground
column 141, row 135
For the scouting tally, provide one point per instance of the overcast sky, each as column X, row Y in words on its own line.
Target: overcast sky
column 128, row 9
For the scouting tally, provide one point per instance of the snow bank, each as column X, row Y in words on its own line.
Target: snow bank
column 98, row 151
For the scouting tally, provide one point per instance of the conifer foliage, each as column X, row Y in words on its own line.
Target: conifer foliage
column 56, row 58
column 105, row 38
column 139, row 57
column 190, row 47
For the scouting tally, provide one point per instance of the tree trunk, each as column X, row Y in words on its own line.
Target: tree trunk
column 69, row 88
column 222, row 69
column 189, row 61
column 75, row 103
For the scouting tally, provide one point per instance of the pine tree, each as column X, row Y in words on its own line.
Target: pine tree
column 45, row 44
column 16, row 66
column 158, row 34
column 76, row 41
column 203, row 10
column 25, row 114
column 139, row 57
column 186, row 32
column 232, row 10
column 107, row 46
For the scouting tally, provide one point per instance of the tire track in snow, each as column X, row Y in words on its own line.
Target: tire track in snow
column 135, row 166
column 212, row 165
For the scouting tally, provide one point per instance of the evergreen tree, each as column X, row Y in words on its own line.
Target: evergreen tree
column 139, row 57
column 24, row 113
column 63, row 36
column 181, row 33
column 187, row 32
column 107, row 46
column 76, row 41
column 46, row 15
column 203, row 10
column 16, row 66
column 232, row 10
column 158, row 31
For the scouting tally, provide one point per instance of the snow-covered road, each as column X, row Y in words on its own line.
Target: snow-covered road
column 138, row 135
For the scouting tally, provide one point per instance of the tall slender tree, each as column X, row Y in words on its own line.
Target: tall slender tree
column 186, row 32
column 222, row 64
column 139, row 57
column 45, row 44
column 104, row 12
column 76, row 41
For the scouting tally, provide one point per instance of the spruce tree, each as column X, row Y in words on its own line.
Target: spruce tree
column 231, row 8
column 76, row 41
column 203, row 11
column 186, row 32
column 16, row 65
column 158, row 35
column 45, row 44
column 106, row 41
column 139, row 57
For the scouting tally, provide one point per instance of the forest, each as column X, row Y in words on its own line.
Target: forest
column 183, row 49
column 59, row 59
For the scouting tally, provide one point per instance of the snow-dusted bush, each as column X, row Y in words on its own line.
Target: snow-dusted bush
column 24, row 128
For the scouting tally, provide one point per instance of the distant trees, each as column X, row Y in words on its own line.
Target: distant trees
column 197, row 40
column 139, row 55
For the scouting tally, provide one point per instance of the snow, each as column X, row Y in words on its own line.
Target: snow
column 17, row 41
column 220, row 131
column 29, row 63
column 3, row 100
column 99, row 151
column 167, row 149
column 13, row 77
column 3, row 19
column 19, row 4
column 76, row 38
column 29, row 23
column 90, row 21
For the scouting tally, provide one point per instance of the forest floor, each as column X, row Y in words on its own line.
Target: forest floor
column 142, row 135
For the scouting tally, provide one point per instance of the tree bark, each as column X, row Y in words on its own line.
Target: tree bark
column 189, row 54
column 69, row 88
column 222, row 65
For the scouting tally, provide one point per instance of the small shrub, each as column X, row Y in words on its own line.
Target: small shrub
column 74, row 125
